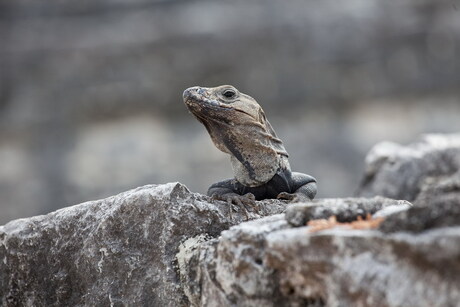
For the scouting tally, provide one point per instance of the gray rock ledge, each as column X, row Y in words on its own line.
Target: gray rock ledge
column 161, row 245
column 427, row 170
column 345, row 209
column 267, row 262
column 119, row 251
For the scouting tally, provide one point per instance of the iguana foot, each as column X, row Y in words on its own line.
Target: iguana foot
column 241, row 201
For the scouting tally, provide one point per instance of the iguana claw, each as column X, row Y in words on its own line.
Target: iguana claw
column 241, row 201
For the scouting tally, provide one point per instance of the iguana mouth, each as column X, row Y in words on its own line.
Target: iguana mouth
column 196, row 106
column 206, row 103
column 213, row 104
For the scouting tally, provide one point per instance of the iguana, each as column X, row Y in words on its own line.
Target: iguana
column 238, row 126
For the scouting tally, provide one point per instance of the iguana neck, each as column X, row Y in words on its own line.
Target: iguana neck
column 255, row 155
column 261, row 174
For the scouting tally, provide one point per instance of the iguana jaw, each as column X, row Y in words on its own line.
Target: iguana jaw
column 193, row 102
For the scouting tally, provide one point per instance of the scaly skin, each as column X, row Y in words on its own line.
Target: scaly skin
column 238, row 126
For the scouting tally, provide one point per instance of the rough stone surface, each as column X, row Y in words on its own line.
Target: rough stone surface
column 441, row 190
column 366, row 268
column 420, row 172
column 229, row 271
column 420, row 218
column 344, row 209
column 112, row 252
column 268, row 263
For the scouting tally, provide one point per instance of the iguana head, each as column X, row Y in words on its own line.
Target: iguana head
column 238, row 126
column 223, row 103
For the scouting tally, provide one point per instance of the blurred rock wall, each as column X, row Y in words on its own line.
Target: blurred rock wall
column 90, row 91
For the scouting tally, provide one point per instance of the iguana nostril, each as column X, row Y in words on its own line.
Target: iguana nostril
column 186, row 93
column 193, row 90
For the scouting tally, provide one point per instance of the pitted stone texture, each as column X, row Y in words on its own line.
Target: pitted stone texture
column 420, row 218
column 231, row 271
column 366, row 267
column 344, row 209
column 116, row 251
column 268, row 263
column 161, row 245
column 419, row 170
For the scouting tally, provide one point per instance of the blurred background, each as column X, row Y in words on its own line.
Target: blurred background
column 91, row 91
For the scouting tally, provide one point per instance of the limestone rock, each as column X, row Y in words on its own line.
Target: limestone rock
column 366, row 268
column 231, row 271
column 161, row 245
column 421, row 171
column 119, row 251
column 268, row 263
column 344, row 209
column 441, row 190
column 420, row 218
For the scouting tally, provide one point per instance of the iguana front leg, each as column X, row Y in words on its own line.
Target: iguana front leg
column 303, row 187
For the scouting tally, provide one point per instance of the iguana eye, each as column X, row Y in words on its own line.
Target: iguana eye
column 229, row 93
